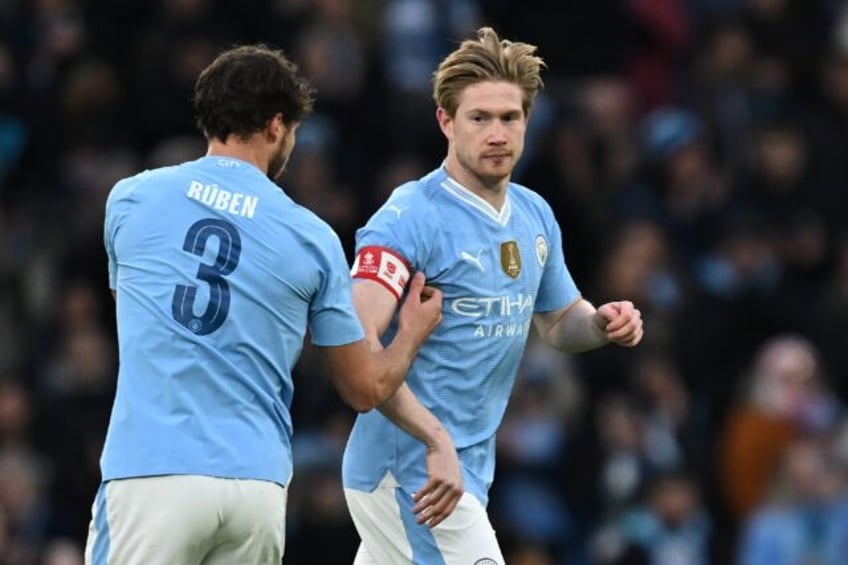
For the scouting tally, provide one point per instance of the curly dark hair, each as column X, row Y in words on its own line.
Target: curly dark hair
column 245, row 87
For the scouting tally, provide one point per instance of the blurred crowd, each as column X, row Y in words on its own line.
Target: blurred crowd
column 695, row 153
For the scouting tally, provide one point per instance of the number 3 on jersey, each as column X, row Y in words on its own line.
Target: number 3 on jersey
column 229, row 250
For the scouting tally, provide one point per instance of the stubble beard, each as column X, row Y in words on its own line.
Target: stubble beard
column 487, row 177
column 277, row 165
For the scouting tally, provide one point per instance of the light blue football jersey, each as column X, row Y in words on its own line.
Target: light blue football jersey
column 495, row 268
column 218, row 275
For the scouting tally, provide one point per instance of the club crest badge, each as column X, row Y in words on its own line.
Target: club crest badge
column 541, row 249
column 510, row 259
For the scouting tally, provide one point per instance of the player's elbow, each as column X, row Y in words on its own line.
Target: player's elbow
column 361, row 401
column 362, row 406
column 364, row 397
column 377, row 394
column 366, row 404
column 369, row 385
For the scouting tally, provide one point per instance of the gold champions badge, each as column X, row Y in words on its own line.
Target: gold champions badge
column 510, row 259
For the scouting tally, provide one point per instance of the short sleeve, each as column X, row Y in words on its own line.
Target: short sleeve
column 332, row 316
column 115, row 214
column 402, row 229
column 557, row 288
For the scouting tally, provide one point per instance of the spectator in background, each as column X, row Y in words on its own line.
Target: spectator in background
column 335, row 43
column 671, row 409
column 718, row 87
column 669, row 526
column 681, row 185
column 784, row 192
column 413, row 34
column 631, row 455
column 27, row 515
column 804, row 517
column 784, row 398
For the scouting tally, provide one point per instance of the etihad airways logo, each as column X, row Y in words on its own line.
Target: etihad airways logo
column 483, row 306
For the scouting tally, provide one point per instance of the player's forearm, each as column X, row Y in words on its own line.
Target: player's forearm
column 366, row 375
column 581, row 328
column 393, row 363
column 406, row 412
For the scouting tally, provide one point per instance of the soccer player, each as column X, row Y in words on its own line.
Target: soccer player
column 494, row 248
column 218, row 275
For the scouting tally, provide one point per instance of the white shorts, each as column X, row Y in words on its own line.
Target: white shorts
column 187, row 519
column 391, row 536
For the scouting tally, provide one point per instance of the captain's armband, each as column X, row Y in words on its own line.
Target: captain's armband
column 383, row 265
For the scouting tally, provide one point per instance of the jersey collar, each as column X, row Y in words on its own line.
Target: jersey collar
column 469, row 198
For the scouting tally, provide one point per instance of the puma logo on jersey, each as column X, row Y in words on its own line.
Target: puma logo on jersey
column 469, row 258
column 397, row 210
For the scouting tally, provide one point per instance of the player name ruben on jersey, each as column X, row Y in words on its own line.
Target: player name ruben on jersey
column 236, row 203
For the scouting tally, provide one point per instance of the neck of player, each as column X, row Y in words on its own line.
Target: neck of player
column 250, row 150
column 492, row 190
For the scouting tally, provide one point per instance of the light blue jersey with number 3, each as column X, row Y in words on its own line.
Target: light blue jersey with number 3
column 218, row 275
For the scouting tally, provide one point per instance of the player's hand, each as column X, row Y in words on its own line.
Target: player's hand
column 622, row 323
column 422, row 310
column 438, row 498
column 428, row 292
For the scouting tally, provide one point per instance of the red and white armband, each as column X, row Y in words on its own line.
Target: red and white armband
column 383, row 265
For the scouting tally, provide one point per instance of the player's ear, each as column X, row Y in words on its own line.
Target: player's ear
column 276, row 128
column 445, row 122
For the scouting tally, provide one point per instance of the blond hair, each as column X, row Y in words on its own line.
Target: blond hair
column 488, row 58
